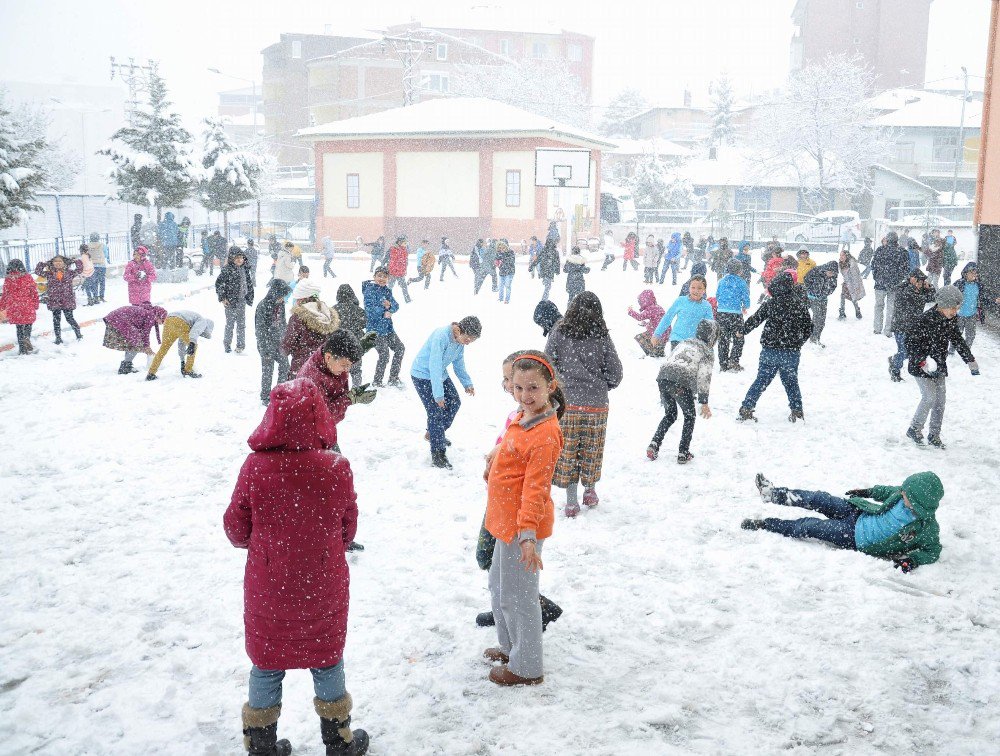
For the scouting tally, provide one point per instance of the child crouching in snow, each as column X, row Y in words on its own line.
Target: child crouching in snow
column 648, row 316
column 686, row 373
column 486, row 543
column 520, row 514
column 297, row 581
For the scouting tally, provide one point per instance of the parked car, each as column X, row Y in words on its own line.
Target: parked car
column 830, row 227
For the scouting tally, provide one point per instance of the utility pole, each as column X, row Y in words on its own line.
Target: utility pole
column 409, row 51
column 136, row 78
column 960, row 154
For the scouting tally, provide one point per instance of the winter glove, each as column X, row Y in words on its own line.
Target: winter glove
column 191, row 347
column 368, row 342
column 362, row 394
column 906, row 564
column 974, row 367
column 864, row 493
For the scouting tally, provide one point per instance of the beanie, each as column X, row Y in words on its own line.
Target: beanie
column 305, row 289
column 949, row 296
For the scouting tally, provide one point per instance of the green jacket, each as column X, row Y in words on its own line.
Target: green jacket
column 920, row 540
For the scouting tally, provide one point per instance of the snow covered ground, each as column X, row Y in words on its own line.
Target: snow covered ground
column 121, row 629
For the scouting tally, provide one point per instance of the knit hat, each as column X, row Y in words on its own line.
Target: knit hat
column 735, row 267
column 305, row 289
column 949, row 296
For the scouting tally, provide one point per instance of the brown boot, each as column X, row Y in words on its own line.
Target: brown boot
column 503, row 676
column 496, row 655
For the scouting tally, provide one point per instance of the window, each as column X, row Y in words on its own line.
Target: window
column 945, row 146
column 513, row 188
column 902, row 152
column 860, row 4
column 574, row 52
column 505, row 47
column 442, row 51
column 296, row 48
column 538, row 50
column 353, row 191
column 435, row 82
column 753, row 198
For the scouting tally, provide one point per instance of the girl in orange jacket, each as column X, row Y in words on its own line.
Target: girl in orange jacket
column 520, row 514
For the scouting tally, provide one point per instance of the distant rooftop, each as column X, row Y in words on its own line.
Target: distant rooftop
column 916, row 108
column 663, row 147
column 493, row 20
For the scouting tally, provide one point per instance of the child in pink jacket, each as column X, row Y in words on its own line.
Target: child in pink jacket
column 649, row 316
column 139, row 275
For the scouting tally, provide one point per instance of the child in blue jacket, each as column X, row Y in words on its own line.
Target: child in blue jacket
column 688, row 311
column 380, row 306
column 733, row 297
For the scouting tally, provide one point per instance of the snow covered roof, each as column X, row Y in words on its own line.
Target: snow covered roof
column 450, row 117
column 914, row 108
column 492, row 18
column 904, row 177
column 662, row 147
column 735, row 166
column 421, row 33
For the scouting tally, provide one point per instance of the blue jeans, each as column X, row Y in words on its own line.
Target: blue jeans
column 900, row 356
column 838, row 529
column 673, row 266
column 505, row 285
column 773, row 362
column 439, row 419
column 547, row 289
column 98, row 280
column 265, row 685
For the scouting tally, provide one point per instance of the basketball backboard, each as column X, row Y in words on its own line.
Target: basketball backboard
column 562, row 167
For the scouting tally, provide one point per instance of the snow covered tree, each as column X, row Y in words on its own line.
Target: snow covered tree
column 820, row 127
column 655, row 184
column 22, row 169
column 721, row 91
column 231, row 176
column 152, row 158
column 625, row 104
column 545, row 87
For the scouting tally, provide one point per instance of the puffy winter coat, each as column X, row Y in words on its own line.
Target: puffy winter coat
column 284, row 265
column 854, row 285
column 547, row 262
column 929, row 336
column 773, row 267
column 506, row 261
column 140, row 277
column 133, row 323
column 374, row 295
column 295, row 511
column 721, row 257
column 575, row 269
column 785, row 316
column 97, row 253
column 427, row 262
column 59, row 294
column 919, row 541
column 935, row 259
column 650, row 311
column 691, row 362
column 269, row 318
column 650, row 255
column 333, row 388
column 804, row 268
column 910, row 303
column 229, row 285
column 890, row 265
column 629, row 246
column 588, row 368
column 399, row 258
column 674, row 247
column 818, row 284
column 311, row 322
column 352, row 316
column 19, row 299
column 168, row 231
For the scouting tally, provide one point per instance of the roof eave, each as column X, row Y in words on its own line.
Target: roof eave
column 562, row 135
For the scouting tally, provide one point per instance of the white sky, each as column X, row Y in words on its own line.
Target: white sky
column 659, row 47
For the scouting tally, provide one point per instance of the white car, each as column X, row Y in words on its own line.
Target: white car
column 832, row 227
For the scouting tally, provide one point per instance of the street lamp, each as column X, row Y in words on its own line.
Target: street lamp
column 960, row 157
column 252, row 83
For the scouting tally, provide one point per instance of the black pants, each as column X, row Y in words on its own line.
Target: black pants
column 730, row 333
column 57, row 323
column 383, row 344
column 445, row 263
column 673, row 395
column 635, row 264
column 425, row 277
column 267, row 363
column 481, row 278
column 608, row 259
column 23, row 337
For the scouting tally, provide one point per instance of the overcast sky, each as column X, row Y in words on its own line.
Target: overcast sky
column 659, row 48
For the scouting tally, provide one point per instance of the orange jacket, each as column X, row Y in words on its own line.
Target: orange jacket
column 520, row 481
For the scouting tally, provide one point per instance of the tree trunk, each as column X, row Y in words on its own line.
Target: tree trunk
column 258, row 223
column 225, row 225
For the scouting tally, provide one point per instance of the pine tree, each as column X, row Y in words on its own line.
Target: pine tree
column 723, row 130
column 22, row 171
column 152, row 158
column 231, row 176
column 655, row 184
column 625, row 104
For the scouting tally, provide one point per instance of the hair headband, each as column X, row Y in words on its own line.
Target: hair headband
column 540, row 361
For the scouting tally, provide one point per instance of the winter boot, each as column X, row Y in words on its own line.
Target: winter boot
column 764, row 488
column 746, row 414
column 260, row 732
column 935, row 441
column 842, row 315
column 355, row 546
column 486, row 619
column 192, row 374
column 335, row 726
column 857, row 312
column 550, row 611
column 894, row 374
column 735, row 367
column 572, row 508
column 28, row 347
column 652, row 452
column 438, row 459
column 915, row 435
column 590, row 497
column 397, row 384
column 752, row 524
column 796, row 415
column 684, row 457
column 126, row 367
column 150, row 377
column 79, row 334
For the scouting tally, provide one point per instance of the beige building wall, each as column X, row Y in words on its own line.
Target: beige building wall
column 437, row 184
column 514, row 161
column 336, row 167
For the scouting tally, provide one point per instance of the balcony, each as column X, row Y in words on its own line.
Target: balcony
column 946, row 169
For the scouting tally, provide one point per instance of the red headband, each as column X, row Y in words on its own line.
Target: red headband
column 540, row 361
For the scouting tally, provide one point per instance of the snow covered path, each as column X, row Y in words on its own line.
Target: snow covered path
column 122, row 624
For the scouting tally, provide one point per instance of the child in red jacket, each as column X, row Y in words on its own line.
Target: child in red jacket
column 294, row 509
column 19, row 303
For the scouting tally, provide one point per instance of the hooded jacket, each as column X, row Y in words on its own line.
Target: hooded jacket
column 929, row 336
column 818, row 284
column 650, row 255
column 920, row 540
column 333, row 388
column 59, row 294
column 588, row 368
column 690, row 364
column 228, row 285
column 785, row 316
column 269, row 318
column 674, row 247
column 133, row 324
column 804, row 268
column 199, row 327
column 854, row 284
column 890, row 264
column 295, row 510
column 168, row 231
column 733, row 294
column 650, row 311
column 140, row 277
column 352, row 316
column 910, row 303
column 773, row 267
column 506, row 261
column 374, row 296
column 547, row 262
column 575, row 269
column 311, row 322
column 19, row 299
column 546, row 316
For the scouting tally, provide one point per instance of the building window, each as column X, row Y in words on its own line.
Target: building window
column 513, row 188
column 505, row 47
column 860, row 4
column 296, row 48
column 538, row 50
column 902, row 152
column 574, row 52
column 436, row 82
column 442, row 51
column 353, row 191
column 945, row 146
column 753, row 198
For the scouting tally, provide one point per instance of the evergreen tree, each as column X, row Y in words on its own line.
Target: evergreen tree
column 655, row 184
column 22, row 171
column 152, row 158
column 231, row 177
column 625, row 104
column 721, row 91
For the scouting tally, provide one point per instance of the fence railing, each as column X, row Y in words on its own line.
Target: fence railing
column 118, row 249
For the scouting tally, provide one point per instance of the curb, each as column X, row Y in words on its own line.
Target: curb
column 87, row 323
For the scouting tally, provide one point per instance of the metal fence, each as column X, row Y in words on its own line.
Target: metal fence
column 32, row 251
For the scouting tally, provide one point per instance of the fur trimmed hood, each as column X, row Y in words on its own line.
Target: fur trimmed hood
column 317, row 317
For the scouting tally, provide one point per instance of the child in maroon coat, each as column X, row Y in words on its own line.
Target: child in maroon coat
column 294, row 509
column 19, row 303
column 59, row 295
column 649, row 316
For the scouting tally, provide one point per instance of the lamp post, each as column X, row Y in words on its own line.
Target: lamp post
column 253, row 84
column 960, row 154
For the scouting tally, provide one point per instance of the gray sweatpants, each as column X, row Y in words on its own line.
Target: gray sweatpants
column 933, row 395
column 884, row 300
column 236, row 317
column 968, row 328
column 516, row 610
column 818, row 309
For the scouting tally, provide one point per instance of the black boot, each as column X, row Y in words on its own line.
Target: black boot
column 550, row 611
column 126, row 367
column 486, row 619
column 438, row 459
column 260, row 732
column 335, row 726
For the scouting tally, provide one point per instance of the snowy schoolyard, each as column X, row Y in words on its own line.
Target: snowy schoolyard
column 122, row 626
